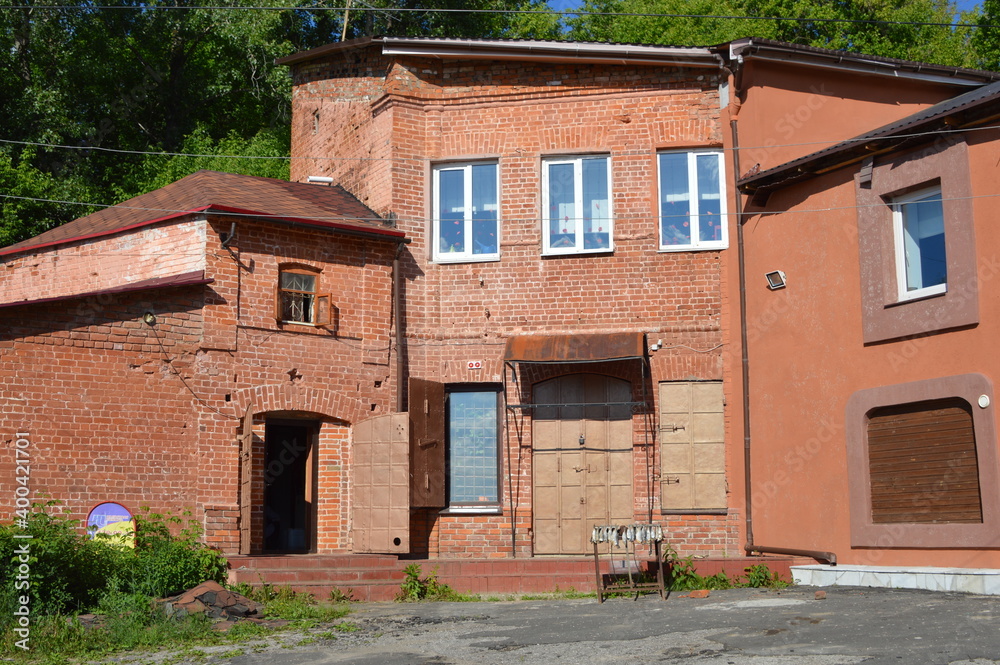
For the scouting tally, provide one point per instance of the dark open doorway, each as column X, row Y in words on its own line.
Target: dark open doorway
column 289, row 486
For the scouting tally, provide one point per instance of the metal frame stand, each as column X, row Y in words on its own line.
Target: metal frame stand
column 603, row 588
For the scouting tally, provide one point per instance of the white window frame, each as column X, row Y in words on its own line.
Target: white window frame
column 696, row 243
column 897, row 205
column 578, row 232
column 468, row 255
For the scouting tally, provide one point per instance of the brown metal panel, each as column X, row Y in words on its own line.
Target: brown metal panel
column 575, row 348
column 380, row 506
column 427, row 444
column 692, row 445
column 922, row 464
column 246, row 478
column 580, row 485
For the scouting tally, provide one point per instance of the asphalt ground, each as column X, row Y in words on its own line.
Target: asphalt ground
column 732, row 627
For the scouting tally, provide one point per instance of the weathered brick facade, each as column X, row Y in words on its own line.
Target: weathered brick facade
column 378, row 123
column 148, row 415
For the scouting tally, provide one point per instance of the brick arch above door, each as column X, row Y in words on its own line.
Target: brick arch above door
column 287, row 397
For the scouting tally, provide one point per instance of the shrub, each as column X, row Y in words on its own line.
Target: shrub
column 416, row 588
column 69, row 572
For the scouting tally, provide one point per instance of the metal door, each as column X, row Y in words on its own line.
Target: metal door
column 582, row 460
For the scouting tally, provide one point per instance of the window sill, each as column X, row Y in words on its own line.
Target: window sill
column 922, row 294
column 467, row 259
column 472, row 510
column 693, row 248
column 603, row 250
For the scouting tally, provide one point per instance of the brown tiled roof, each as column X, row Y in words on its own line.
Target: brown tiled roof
column 323, row 206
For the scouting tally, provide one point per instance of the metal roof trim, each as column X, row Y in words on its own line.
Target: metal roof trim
column 575, row 348
column 770, row 50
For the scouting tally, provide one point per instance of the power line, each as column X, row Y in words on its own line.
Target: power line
column 652, row 219
column 553, row 12
column 745, row 149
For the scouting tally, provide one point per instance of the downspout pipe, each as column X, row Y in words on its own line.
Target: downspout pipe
column 750, row 547
column 397, row 311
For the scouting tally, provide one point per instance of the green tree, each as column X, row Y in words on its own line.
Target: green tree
column 875, row 27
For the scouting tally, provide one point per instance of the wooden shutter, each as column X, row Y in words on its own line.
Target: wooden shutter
column 380, row 507
column 692, row 446
column 246, row 478
column 427, row 444
column 923, row 465
column 322, row 311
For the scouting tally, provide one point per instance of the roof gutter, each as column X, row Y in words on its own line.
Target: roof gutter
column 858, row 64
column 541, row 51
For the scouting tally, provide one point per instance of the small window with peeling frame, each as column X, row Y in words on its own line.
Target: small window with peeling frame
column 298, row 299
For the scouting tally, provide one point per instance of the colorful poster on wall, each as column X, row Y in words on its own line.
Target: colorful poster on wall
column 114, row 522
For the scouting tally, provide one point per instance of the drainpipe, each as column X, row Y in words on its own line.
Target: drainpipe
column 397, row 310
column 750, row 547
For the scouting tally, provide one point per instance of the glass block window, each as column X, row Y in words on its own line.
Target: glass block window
column 473, row 446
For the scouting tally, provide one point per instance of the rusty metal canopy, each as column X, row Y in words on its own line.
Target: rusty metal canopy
column 575, row 348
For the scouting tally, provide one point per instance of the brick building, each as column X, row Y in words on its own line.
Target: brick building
column 136, row 340
column 563, row 334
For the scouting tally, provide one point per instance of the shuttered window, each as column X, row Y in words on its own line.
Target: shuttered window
column 922, row 463
column 692, row 446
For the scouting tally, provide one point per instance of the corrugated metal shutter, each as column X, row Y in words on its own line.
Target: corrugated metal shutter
column 380, row 515
column 923, row 465
column 427, row 445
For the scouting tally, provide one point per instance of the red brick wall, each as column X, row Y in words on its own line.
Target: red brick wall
column 104, row 262
column 377, row 125
column 121, row 411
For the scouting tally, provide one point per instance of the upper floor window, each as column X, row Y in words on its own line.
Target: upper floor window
column 576, row 195
column 298, row 299
column 692, row 205
column 918, row 231
column 466, row 212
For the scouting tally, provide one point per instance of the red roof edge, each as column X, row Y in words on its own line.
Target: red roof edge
column 393, row 234
column 184, row 279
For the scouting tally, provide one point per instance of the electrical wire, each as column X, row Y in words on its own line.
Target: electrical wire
column 529, row 12
column 631, row 218
column 626, row 153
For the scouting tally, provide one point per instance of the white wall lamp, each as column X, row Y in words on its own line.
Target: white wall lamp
column 320, row 179
column 775, row 280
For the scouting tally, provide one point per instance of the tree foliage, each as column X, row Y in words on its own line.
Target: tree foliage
column 887, row 28
column 176, row 76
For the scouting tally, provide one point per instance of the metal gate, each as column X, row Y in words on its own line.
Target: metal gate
column 582, row 460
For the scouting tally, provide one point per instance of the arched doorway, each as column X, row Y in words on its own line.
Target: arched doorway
column 582, row 460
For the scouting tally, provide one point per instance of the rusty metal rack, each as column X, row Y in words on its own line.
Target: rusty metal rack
column 623, row 537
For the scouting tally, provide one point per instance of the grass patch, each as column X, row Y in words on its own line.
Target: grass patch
column 682, row 576
column 416, row 588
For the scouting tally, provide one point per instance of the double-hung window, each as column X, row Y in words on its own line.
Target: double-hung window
column 576, row 194
column 466, row 212
column 692, row 201
column 473, row 432
column 918, row 231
